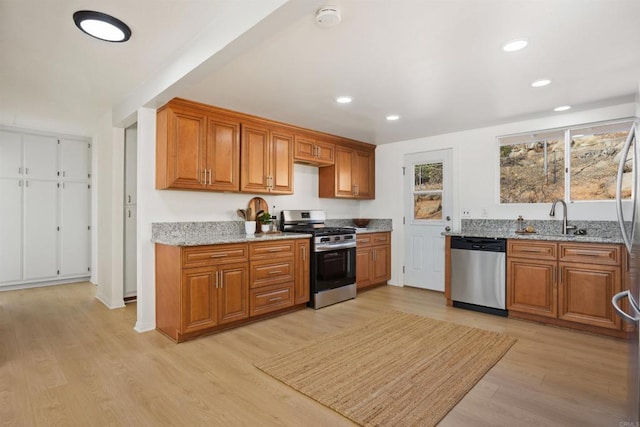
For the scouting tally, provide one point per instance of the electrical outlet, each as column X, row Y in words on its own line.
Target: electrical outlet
column 466, row 213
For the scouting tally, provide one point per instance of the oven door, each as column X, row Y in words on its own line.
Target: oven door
column 332, row 269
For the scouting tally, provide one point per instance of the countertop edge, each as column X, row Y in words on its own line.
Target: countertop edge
column 535, row 236
column 222, row 239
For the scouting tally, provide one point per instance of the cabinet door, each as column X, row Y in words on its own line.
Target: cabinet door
column 381, row 264
column 223, row 155
column 40, row 157
column 254, row 165
column 75, row 246
column 364, row 179
column 199, row 294
column 233, row 293
column 345, row 184
column 531, row 287
column 186, row 149
column 11, row 155
column 40, row 229
column 302, row 276
column 10, row 230
column 364, row 259
column 281, row 163
column 324, row 153
column 585, row 292
column 75, row 160
column 304, row 150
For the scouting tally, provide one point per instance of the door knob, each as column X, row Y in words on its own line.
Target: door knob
column 448, row 218
column 447, row 228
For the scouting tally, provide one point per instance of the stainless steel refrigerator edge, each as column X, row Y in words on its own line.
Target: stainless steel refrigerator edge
column 631, row 237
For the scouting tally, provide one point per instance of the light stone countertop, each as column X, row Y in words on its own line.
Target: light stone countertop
column 546, row 230
column 221, row 232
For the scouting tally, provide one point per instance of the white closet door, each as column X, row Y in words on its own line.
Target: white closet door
column 75, row 249
column 10, row 154
column 40, row 157
column 130, row 252
column 75, row 160
column 130, row 167
column 40, row 229
column 10, row 230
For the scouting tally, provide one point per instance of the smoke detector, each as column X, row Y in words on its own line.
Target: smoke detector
column 328, row 16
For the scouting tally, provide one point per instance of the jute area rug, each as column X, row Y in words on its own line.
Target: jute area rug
column 397, row 370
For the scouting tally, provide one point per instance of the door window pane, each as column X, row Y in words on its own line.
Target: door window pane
column 428, row 176
column 427, row 206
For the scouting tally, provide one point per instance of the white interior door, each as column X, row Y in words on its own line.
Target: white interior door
column 130, row 250
column 428, row 212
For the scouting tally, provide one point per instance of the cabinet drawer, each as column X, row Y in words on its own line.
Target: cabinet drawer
column 199, row 256
column 529, row 249
column 368, row 239
column 267, row 273
column 270, row 250
column 272, row 298
column 590, row 253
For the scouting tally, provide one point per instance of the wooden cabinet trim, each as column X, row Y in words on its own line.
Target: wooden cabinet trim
column 528, row 249
column 268, row 272
column 270, row 298
column 269, row 250
column 196, row 256
column 590, row 253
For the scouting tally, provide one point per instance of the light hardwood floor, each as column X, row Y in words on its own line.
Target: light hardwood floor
column 65, row 359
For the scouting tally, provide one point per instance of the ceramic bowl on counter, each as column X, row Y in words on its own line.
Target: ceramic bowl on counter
column 360, row 222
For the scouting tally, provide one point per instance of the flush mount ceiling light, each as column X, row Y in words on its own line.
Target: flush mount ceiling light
column 514, row 45
column 541, row 83
column 344, row 99
column 393, row 117
column 102, row 26
column 562, row 108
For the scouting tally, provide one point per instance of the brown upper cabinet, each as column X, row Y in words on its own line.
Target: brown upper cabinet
column 196, row 150
column 351, row 176
column 313, row 151
column 267, row 159
column 205, row 148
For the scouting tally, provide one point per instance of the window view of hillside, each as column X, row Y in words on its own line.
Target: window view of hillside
column 427, row 191
column 534, row 172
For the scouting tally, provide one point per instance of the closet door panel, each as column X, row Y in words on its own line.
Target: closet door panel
column 40, row 229
column 10, row 230
column 75, row 160
column 10, row 154
column 75, row 253
column 40, row 157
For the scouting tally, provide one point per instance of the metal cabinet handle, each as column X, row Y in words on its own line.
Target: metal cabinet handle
column 222, row 279
column 19, row 171
column 630, row 318
column 26, row 171
column 129, row 213
column 129, row 198
column 304, row 253
column 275, row 299
column 217, row 280
column 275, row 272
column 218, row 255
column 209, row 176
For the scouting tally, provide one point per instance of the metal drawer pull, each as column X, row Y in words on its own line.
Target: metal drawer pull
column 275, row 272
column 275, row 299
column 275, row 250
column 530, row 250
column 219, row 256
column 587, row 253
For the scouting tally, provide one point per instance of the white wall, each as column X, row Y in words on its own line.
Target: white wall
column 475, row 169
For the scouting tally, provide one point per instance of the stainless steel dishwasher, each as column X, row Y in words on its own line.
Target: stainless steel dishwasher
column 478, row 272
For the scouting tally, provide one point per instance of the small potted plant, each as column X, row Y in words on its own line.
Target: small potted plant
column 265, row 222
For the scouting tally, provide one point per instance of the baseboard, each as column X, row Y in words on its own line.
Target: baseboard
column 67, row 281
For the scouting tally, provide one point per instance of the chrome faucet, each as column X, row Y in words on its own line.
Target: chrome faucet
column 565, row 227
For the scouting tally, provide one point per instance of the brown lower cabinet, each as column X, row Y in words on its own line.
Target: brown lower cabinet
column 204, row 289
column 566, row 284
column 373, row 259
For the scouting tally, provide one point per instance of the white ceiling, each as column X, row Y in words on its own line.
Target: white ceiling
column 437, row 64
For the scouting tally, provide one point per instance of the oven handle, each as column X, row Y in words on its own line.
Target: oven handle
column 334, row 246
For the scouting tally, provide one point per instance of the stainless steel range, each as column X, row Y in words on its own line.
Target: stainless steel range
column 333, row 260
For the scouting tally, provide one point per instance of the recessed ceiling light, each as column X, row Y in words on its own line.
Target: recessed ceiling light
column 102, row 26
column 514, row 45
column 540, row 83
column 562, row 108
column 344, row 99
column 393, row 117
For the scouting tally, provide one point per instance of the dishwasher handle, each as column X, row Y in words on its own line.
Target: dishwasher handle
column 479, row 244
